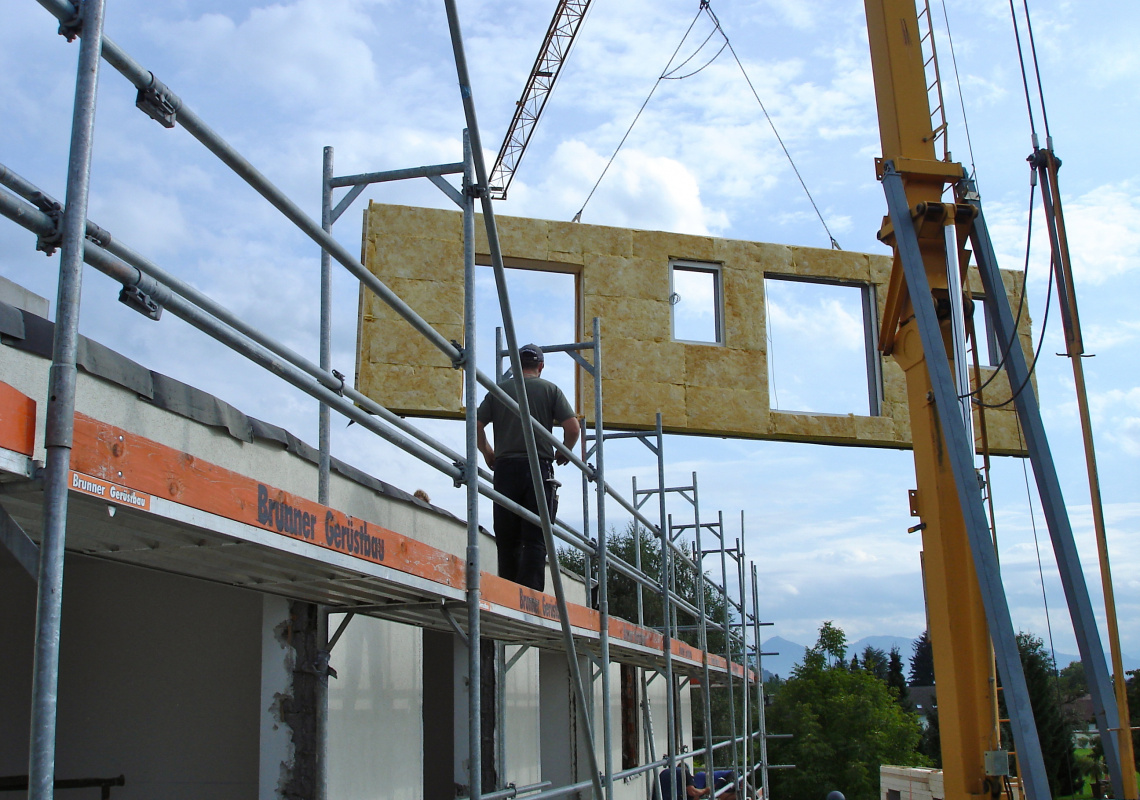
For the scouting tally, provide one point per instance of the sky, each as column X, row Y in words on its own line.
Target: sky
column 375, row 79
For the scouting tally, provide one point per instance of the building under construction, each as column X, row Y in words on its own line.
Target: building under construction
column 288, row 626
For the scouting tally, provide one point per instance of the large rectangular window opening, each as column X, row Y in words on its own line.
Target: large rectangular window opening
column 697, row 299
column 822, row 346
column 544, row 304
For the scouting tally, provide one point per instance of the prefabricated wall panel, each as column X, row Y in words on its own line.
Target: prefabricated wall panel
column 623, row 277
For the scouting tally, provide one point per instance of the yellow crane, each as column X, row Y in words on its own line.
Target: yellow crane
column 969, row 620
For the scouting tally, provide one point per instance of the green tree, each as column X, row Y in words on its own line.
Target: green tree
column 931, row 744
column 831, row 647
column 1072, row 682
column 622, row 599
column 922, row 662
column 844, row 725
column 622, row 591
column 1061, row 768
column 875, row 661
column 895, row 679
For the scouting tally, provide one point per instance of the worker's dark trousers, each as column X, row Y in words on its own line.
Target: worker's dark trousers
column 522, row 549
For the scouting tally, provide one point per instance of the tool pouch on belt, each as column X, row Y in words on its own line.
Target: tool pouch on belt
column 554, row 484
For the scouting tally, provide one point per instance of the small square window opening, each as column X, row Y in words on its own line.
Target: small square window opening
column 697, row 300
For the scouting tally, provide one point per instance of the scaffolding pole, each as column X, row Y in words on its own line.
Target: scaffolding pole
column 706, row 677
column 760, row 684
column 728, row 646
column 328, row 387
column 61, row 408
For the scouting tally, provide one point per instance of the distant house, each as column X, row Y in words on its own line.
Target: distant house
column 924, row 701
column 1079, row 713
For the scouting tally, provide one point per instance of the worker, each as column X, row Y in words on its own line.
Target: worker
column 684, row 778
column 721, row 779
column 521, row 546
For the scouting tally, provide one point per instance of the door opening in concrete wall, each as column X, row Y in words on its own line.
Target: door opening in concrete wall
column 822, row 353
column 698, row 302
column 630, row 718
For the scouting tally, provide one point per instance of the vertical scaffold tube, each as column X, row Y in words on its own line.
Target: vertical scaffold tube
column 706, row 677
column 471, row 479
column 728, row 646
column 321, row 701
column 61, row 412
column 637, row 561
column 603, row 566
column 324, row 418
column 480, row 168
column 746, row 726
column 666, row 617
column 760, row 684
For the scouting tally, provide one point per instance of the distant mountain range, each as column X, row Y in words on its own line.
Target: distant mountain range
column 791, row 653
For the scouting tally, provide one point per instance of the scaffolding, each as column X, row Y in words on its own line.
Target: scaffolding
column 149, row 289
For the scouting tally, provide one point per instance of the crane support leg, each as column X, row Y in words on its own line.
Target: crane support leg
column 1056, row 515
column 952, row 454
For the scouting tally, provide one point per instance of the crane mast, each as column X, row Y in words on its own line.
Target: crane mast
column 959, row 632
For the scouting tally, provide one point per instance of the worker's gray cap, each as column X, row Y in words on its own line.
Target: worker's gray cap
column 531, row 354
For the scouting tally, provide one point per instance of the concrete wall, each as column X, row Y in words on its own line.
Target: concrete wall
column 262, row 460
column 159, row 680
column 277, row 663
column 624, row 277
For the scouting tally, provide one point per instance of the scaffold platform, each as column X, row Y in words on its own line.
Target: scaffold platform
column 136, row 501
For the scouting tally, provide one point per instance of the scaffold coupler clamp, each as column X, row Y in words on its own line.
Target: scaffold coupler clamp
column 140, row 301
column 340, row 377
column 100, row 236
column 459, row 479
column 321, row 665
column 47, row 243
column 476, row 190
column 460, row 360
column 158, row 102
column 72, row 26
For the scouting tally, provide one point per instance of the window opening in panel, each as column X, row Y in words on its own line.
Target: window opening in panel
column 989, row 349
column 822, row 351
column 545, row 311
column 697, row 301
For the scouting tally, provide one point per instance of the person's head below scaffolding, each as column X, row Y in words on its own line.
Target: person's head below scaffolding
column 521, row 544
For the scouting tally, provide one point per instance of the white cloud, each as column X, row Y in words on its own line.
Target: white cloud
column 308, row 52
column 1117, row 412
column 639, row 191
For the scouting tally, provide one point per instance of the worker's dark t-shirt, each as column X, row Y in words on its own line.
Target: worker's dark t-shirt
column 548, row 405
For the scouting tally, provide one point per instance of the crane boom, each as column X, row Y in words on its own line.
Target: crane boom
column 551, row 56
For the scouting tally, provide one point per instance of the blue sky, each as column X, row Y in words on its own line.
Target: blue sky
column 375, row 80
